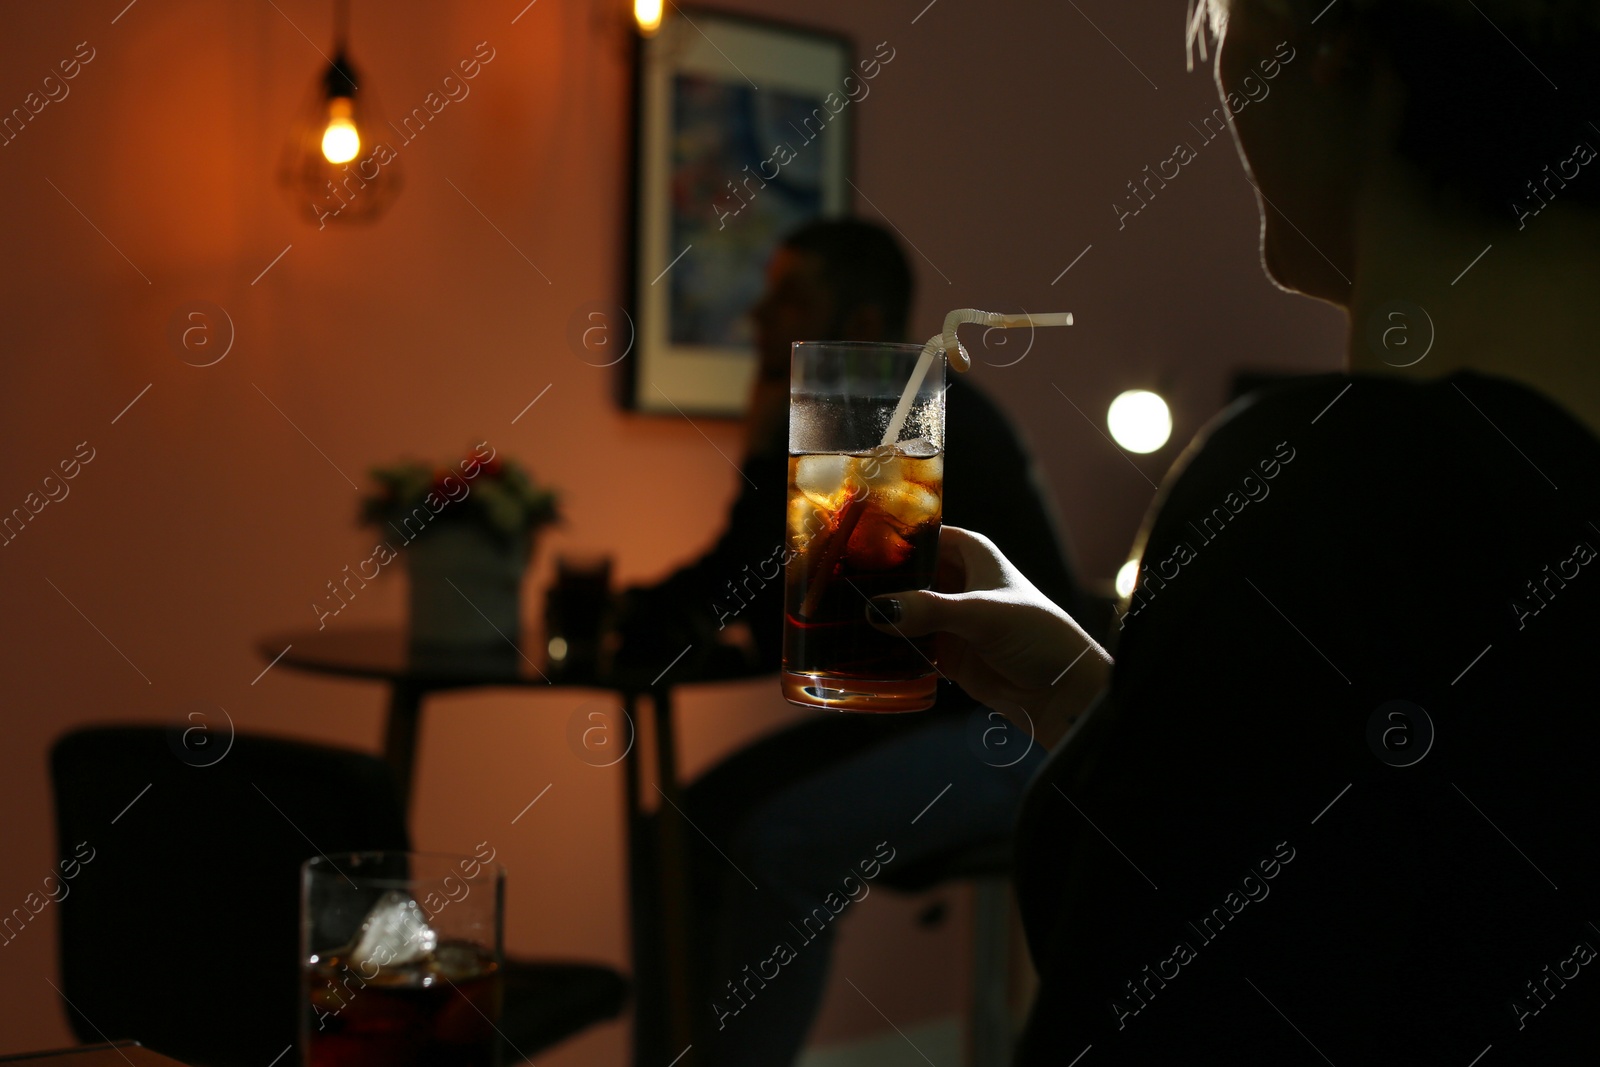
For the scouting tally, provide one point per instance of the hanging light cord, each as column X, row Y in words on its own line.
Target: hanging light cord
column 339, row 74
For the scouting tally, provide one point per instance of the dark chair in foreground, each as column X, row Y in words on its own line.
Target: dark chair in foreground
column 181, row 930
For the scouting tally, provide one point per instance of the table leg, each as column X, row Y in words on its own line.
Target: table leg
column 400, row 738
column 633, row 769
column 644, row 908
column 673, row 882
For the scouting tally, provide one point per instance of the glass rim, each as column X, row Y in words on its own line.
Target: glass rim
column 326, row 863
column 892, row 346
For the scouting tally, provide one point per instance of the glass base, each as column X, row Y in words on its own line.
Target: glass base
column 821, row 690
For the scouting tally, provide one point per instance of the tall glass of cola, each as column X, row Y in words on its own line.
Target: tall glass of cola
column 866, row 494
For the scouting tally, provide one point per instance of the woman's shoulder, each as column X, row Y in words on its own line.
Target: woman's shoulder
column 1460, row 421
column 1379, row 510
column 1364, row 413
column 1339, row 455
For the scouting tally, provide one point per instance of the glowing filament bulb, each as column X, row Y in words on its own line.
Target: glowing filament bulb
column 647, row 13
column 340, row 141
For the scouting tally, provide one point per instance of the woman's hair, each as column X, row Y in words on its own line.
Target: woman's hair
column 1496, row 90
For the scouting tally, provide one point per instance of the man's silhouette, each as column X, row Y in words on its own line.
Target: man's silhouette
column 803, row 809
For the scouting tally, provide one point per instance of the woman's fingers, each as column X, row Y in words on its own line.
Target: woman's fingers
column 914, row 613
column 999, row 638
column 982, row 618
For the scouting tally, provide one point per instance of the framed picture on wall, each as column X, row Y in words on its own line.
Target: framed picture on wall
column 743, row 133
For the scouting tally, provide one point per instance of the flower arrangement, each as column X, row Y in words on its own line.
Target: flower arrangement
column 498, row 493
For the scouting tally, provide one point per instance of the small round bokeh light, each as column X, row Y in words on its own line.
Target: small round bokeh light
column 1127, row 578
column 1139, row 420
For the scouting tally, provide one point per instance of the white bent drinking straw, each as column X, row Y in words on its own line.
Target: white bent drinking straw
column 948, row 343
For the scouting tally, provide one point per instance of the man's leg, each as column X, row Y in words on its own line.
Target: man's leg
column 792, row 863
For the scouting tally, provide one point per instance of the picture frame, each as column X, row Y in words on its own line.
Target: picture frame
column 743, row 132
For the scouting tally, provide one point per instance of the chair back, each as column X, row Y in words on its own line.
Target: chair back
column 180, row 928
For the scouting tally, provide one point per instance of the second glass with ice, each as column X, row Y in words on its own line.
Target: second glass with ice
column 866, row 494
column 401, row 956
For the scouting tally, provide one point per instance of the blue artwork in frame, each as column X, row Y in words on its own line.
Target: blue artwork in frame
column 744, row 135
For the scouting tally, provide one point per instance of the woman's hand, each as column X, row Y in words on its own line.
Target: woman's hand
column 999, row 638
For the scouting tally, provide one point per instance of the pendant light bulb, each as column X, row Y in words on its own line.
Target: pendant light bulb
column 341, row 141
column 337, row 165
column 647, row 13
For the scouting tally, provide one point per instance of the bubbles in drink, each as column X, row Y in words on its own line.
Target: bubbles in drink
column 921, row 448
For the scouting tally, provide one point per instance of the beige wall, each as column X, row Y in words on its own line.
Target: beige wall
column 996, row 141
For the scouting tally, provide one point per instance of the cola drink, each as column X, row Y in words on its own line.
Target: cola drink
column 439, row 1011
column 859, row 525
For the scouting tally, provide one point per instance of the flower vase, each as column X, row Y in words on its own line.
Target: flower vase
column 465, row 586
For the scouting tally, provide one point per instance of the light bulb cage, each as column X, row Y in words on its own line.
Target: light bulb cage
column 360, row 190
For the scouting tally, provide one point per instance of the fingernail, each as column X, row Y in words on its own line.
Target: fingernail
column 884, row 611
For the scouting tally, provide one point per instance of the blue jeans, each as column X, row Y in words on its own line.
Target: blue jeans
column 791, row 833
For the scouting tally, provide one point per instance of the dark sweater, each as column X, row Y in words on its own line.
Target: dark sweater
column 1258, row 850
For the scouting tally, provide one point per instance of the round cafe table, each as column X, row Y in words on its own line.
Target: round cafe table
column 383, row 654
